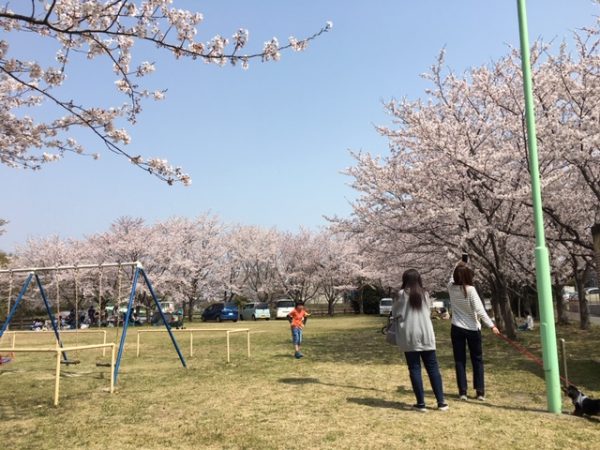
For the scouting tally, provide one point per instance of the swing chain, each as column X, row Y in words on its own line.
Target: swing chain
column 10, row 288
column 100, row 309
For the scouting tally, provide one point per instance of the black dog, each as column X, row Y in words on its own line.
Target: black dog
column 583, row 404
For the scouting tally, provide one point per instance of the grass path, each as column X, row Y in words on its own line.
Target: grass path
column 351, row 391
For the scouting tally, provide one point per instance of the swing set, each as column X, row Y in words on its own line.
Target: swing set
column 60, row 349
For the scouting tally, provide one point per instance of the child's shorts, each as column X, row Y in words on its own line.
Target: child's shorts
column 297, row 336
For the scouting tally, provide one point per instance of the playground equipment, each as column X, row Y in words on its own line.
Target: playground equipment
column 14, row 335
column 33, row 275
column 61, row 350
column 191, row 331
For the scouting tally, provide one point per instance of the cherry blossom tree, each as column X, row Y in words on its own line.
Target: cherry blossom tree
column 108, row 31
column 338, row 267
column 251, row 256
column 193, row 251
column 60, row 286
column 297, row 264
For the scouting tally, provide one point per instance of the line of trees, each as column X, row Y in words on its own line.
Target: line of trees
column 192, row 261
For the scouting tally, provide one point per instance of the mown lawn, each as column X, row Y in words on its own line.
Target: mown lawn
column 350, row 391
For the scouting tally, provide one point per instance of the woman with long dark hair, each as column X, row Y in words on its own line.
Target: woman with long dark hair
column 467, row 314
column 415, row 337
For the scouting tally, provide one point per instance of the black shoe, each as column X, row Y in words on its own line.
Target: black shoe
column 420, row 408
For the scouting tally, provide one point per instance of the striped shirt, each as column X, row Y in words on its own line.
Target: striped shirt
column 467, row 310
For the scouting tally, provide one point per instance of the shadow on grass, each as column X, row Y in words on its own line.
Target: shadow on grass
column 361, row 346
column 409, row 391
column 510, row 408
column 379, row 403
column 303, row 381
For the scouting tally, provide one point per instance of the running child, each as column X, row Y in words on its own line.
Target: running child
column 297, row 319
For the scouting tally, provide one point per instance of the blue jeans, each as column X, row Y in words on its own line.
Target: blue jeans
column 296, row 336
column 413, row 359
column 462, row 338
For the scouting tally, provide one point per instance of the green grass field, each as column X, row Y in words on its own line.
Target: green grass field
column 350, row 391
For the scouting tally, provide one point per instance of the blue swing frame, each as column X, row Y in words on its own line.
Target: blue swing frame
column 136, row 275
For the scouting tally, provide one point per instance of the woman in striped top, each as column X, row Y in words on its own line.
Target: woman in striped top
column 467, row 314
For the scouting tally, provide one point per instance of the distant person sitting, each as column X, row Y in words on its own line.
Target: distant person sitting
column 71, row 319
column 528, row 324
column 444, row 314
column 92, row 315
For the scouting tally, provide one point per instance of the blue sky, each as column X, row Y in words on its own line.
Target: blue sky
column 266, row 146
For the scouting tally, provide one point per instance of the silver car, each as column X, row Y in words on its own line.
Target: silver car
column 255, row 311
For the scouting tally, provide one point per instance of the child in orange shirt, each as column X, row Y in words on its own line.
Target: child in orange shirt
column 297, row 319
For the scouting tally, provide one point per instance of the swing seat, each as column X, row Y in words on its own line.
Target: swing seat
column 102, row 364
column 70, row 362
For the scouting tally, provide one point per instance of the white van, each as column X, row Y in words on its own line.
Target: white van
column 283, row 307
column 385, row 306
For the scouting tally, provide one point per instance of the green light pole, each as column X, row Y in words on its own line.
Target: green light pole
column 542, row 261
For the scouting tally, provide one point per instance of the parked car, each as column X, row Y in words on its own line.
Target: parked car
column 283, row 307
column 220, row 312
column 592, row 294
column 385, row 306
column 437, row 304
column 255, row 311
column 573, row 296
column 168, row 307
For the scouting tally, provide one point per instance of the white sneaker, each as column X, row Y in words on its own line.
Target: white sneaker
column 420, row 408
column 481, row 398
column 463, row 398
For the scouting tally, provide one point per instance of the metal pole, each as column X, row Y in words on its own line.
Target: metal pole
column 112, row 369
column 542, row 263
column 563, row 351
column 162, row 315
column 70, row 267
column 136, row 275
column 228, row 352
column 57, row 380
column 248, row 341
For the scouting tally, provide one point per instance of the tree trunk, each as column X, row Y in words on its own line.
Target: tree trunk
column 596, row 241
column 190, row 309
column 497, row 313
column 508, row 317
column 360, row 300
column 101, row 306
column 561, row 304
column 330, row 306
column 584, row 313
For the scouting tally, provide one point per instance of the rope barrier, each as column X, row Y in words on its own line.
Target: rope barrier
column 524, row 351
